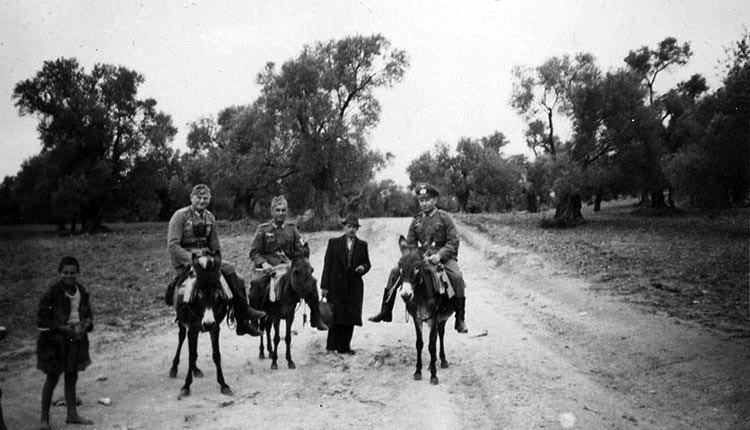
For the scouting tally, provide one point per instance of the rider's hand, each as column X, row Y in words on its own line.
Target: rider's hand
column 360, row 269
column 267, row 267
column 434, row 259
column 324, row 294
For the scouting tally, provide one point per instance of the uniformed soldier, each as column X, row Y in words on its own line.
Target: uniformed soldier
column 277, row 242
column 433, row 231
column 192, row 232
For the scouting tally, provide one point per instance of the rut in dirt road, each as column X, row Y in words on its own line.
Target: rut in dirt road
column 542, row 352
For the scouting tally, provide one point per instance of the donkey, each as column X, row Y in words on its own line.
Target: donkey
column 204, row 312
column 425, row 305
column 298, row 283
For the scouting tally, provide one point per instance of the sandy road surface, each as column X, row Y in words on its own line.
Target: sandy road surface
column 543, row 352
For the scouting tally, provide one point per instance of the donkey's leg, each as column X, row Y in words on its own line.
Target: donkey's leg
column 269, row 342
column 433, row 353
column 276, row 340
column 288, row 341
column 420, row 344
column 192, row 336
column 261, row 353
column 441, row 333
column 217, row 360
column 181, row 334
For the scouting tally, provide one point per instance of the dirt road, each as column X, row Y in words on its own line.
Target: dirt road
column 543, row 352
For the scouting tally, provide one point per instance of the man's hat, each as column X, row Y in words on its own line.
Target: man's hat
column 279, row 201
column 426, row 190
column 351, row 219
column 200, row 189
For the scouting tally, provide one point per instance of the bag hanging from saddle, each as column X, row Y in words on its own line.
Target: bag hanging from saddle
column 442, row 282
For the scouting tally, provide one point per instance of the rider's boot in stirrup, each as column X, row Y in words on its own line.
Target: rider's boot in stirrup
column 460, row 304
column 386, row 308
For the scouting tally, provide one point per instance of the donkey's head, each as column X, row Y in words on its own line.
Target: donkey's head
column 410, row 264
column 207, row 269
column 301, row 276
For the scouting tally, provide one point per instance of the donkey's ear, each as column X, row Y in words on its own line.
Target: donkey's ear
column 306, row 250
column 402, row 241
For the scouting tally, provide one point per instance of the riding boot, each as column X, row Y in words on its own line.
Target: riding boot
column 242, row 318
column 460, row 304
column 386, row 308
column 169, row 294
column 243, row 313
column 178, row 279
column 237, row 285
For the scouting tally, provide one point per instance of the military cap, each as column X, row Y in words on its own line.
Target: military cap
column 279, row 201
column 426, row 190
column 351, row 219
column 200, row 189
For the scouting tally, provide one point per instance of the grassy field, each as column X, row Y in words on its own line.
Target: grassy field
column 125, row 271
column 691, row 266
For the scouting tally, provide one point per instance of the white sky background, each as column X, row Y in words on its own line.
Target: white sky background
column 200, row 57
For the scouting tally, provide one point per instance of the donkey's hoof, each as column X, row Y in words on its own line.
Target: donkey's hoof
column 434, row 380
column 227, row 391
column 274, row 366
column 197, row 373
column 184, row 392
column 262, row 356
column 417, row 376
column 173, row 373
column 444, row 364
column 292, row 365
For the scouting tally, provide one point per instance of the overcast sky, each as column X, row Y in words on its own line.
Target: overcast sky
column 199, row 57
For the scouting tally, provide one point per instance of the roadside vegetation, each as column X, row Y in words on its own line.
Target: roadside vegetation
column 693, row 266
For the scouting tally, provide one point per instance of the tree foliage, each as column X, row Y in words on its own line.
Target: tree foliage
column 476, row 174
column 94, row 130
column 710, row 167
column 324, row 106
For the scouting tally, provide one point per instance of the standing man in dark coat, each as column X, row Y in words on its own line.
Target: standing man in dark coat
column 346, row 261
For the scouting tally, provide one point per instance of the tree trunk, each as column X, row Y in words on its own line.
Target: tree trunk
column 463, row 200
column 531, row 203
column 568, row 212
column 597, row 201
column 657, row 198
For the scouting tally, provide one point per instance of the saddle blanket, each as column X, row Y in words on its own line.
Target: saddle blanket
column 274, row 286
column 187, row 290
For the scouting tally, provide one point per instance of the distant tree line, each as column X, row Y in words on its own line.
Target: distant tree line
column 106, row 154
column 687, row 147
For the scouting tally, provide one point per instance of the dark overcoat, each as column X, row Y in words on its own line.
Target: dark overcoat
column 344, row 284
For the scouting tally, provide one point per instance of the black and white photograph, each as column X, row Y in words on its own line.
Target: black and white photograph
column 375, row 214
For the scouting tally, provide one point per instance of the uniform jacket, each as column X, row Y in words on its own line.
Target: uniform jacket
column 270, row 238
column 344, row 284
column 434, row 233
column 181, row 241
